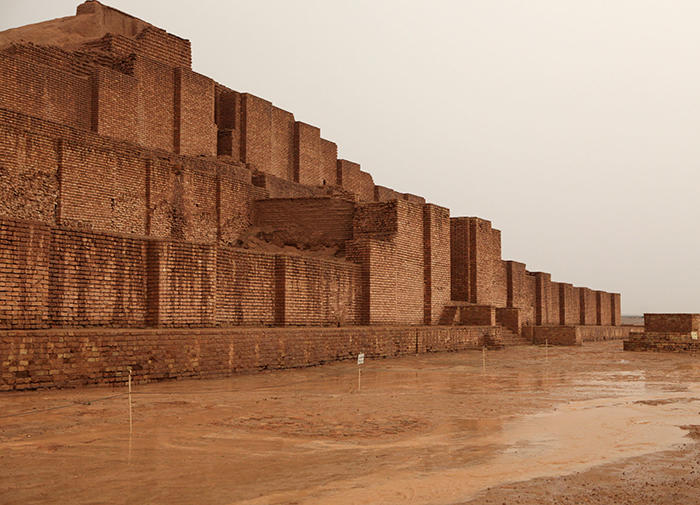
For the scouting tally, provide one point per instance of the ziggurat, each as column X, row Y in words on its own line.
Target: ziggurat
column 154, row 219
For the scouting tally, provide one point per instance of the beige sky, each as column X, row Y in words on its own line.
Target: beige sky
column 572, row 125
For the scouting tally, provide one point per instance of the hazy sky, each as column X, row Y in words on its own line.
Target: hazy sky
column 572, row 125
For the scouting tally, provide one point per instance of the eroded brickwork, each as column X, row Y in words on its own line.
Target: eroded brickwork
column 132, row 187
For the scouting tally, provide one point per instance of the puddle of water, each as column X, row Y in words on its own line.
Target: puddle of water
column 572, row 438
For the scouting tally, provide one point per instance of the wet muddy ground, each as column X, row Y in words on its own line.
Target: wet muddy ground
column 524, row 425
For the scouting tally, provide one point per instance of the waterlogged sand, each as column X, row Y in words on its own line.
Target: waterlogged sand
column 525, row 426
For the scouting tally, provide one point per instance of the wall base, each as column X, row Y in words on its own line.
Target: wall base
column 575, row 335
column 663, row 342
column 34, row 359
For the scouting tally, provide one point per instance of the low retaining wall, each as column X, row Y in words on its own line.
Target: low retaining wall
column 68, row 357
column 576, row 335
column 662, row 342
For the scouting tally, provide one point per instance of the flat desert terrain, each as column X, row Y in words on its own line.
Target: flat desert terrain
column 525, row 425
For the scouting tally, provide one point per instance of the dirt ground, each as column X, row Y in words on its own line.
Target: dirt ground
column 528, row 425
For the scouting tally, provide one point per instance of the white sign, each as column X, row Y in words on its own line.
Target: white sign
column 360, row 358
column 694, row 335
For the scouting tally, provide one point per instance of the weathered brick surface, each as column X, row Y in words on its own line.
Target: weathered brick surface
column 24, row 274
column 60, row 358
column 96, row 279
column 588, row 313
column 114, row 96
column 478, row 274
column 569, row 305
column 436, row 261
column 306, row 222
column 256, row 142
column 307, row 154
column 114, row 212
column 29, row 173
column 195, row 130
column 352, row 179
column 182, row 284
column 245, row 288
column 663, row 341
column 45, row 91
column 156, row 104
column 603, row 307
column 282, row 144
column 521, row 291
column 577, row 335
column 318, row 292
column 670, row 323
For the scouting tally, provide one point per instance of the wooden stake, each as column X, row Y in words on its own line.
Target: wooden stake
column 131, row 416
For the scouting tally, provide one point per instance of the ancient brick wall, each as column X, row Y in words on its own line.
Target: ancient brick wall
column 529, row 299
column 477, row 315
column 235, row 201
column 436, row 262
column 282, row 144
column 307, row 154
column 182, row 284
column 543, row 299
column 228, row 117
column 603, row 306
column 50, row 172
column 328, row 163
column 156, row 105
column 352, row 179
column 554, row 311
column 114, row 99
column 520, row 291
column 102, row 187
column 378, row 279
column 569, row 313
column 588, row 312
column 460, row 259
column 245, row 288
column 409, row 287
column 306, row 222
column 389, row 243
column 615, row 309
column 277, row 187
column 24, row 274
column 384, row 194
column 29, row 182
column 96, row 279
column 45, row 92
column 319, row 292
column 182, row 200
column 195, row 130
column 256, row 140
column 164, row 47
column 669, row 323
column 478, row 274
column 55, row 358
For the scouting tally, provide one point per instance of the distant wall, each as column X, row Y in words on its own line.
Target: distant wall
column 478, row 274
column 588, row 312
column 436, row 266
column 682, row 323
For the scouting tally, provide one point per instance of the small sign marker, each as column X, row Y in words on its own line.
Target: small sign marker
column 361, row 358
